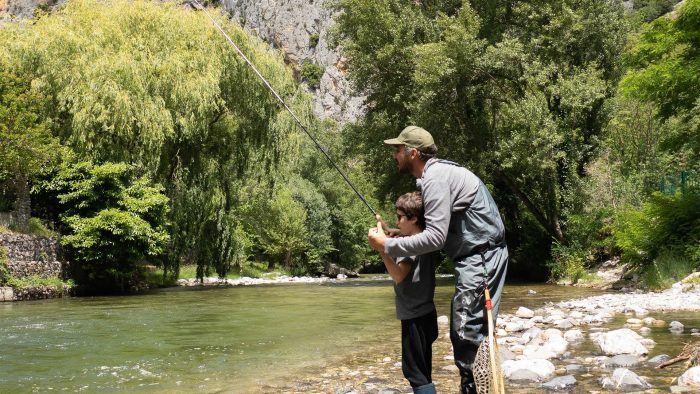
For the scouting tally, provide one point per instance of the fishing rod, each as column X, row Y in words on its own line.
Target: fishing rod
column 197, row 5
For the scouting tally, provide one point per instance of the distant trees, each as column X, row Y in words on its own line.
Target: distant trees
column 515, row 91
column 154, row 91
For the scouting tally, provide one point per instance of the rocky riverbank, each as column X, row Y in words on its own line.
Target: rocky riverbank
column 597, row 344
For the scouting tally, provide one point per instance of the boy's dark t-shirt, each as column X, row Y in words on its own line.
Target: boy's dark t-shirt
column 414, row 295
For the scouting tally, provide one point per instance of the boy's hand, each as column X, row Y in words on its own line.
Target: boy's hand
column 390, row 232
column 376, row 237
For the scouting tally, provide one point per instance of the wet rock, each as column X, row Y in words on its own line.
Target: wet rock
column 675, row 326
column 443, row 320
column 645, row 330
column 571, row 368
column 529, row 370
column 623, row 379
column 622, row 341
column 690, row 379
column 656, row 360
column 560, row 383
column 622, row 360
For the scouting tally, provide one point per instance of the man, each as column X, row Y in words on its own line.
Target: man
column 462, row 219
column 414, row 286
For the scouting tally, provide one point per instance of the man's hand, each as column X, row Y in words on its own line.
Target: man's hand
column 376, row 237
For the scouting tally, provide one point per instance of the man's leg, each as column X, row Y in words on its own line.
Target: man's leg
column 417, row 337
column 468, row 327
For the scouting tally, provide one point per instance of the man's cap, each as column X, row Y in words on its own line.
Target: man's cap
column 412, row 137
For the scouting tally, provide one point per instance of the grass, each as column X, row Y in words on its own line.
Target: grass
column 37, row 281
column 667, row 269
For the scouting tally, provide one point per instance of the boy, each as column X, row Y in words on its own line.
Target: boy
column 414, row 285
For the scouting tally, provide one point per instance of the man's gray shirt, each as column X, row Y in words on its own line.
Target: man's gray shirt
column 460, row 214
column 414, row 294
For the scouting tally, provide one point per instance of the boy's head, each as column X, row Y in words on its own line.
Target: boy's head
column 409, row 213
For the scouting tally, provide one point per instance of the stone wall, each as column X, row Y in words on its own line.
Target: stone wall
column 33, row 255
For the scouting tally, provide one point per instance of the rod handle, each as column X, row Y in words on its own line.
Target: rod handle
column 381, row 223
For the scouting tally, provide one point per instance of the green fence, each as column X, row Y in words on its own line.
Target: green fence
column 681, row 182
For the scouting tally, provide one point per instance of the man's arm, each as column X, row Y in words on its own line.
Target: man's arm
column 438, row 211
column 397, row 271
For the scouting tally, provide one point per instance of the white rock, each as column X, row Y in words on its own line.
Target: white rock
column 574, row 335
column 541, row 369
column 622, row 341
column 691, row 378
column 624, row 379
column 514, row 327
column 443, row 320
column 533, row 352
column 524, row 313
column 675, row 326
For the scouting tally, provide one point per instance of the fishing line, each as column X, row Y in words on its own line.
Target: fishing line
column 197, row 5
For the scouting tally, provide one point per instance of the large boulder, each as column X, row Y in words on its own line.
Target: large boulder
column 690, row 379
column 622, row 341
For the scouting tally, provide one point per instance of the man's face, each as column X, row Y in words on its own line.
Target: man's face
column 403, row 159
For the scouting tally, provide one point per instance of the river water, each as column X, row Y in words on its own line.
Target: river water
column 235, row 339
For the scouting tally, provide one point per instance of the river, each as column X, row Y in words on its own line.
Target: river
column 234, row 339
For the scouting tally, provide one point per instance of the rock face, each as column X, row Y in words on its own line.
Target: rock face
column 297, row 27
column 300, row 30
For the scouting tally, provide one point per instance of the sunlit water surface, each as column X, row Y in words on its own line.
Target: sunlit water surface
column 216, row 339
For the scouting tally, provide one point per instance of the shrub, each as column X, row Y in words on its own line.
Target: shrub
column 664, row 224
column 311, row 73
column 568, row 263
column 114, row 221
column 4, row 271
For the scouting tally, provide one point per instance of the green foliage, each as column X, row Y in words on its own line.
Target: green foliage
column 156, row 85
column 36, row 227
column 667, row 269
column 40, row 281
column 664, row 224
column 665, row 62
column 569, row 263
column 280, row 228
column 311, row 73
column 4, row 271
column 514, row 91
column 648, row 10
column 26, row 143
column 114, row 220
column 313, row 40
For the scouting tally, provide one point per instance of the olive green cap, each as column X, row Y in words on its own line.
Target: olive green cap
column 412, row 137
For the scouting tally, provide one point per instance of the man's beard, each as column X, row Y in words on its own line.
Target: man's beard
column 405, row 167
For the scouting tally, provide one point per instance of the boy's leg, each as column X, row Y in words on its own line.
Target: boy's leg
column 417, row 337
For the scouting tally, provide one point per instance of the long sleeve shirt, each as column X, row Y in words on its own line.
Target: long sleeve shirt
column 460, row 214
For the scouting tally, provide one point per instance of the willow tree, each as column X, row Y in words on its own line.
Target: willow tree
column 155, row 85
column 514, row 90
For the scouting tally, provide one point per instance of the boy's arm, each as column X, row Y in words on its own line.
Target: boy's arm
column 397, row 271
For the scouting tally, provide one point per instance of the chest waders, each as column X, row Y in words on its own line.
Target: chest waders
column 488, row 374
